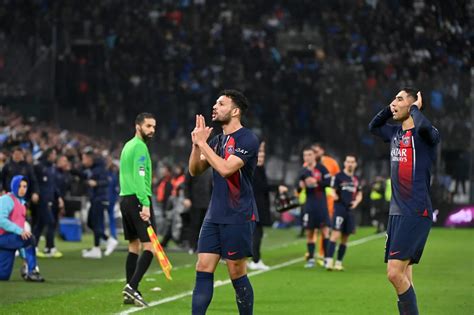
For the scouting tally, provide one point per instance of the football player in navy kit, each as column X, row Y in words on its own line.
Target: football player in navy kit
column 413, row 151
column 230, row 219
column 348, row 195
column 314, row 177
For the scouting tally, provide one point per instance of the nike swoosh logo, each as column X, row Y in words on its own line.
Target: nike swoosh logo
column 394, row 253
column 231, row 253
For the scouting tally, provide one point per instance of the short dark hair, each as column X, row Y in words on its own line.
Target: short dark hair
column 237, row 98
column 308, row 148
column 48, row 152
column 410, row 91
column 318, row 144
column 351, row 155
column 142, row 116
column 89, row 152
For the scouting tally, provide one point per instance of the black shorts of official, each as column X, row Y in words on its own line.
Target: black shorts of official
column 316, row 219
column 230, row 241
column 406, row 237
column 133, row 226
column 343, row 219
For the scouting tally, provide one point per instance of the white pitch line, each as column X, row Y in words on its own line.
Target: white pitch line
column 220, row 283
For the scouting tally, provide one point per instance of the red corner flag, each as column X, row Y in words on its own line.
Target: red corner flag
column 160, row 253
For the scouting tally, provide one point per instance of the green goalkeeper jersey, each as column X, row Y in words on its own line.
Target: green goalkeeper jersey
column 135, row 170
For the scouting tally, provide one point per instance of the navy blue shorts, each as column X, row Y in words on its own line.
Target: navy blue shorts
column 343, row 219
column 406, row 237
column 316, row 219
column 230, row 241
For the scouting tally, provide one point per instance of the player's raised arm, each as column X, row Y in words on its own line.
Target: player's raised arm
column 422, row 125
column 197, row 162
column 224, row 167
column 378, row 125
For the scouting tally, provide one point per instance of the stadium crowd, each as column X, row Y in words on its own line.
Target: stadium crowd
column 171, row 57
column 115, row 59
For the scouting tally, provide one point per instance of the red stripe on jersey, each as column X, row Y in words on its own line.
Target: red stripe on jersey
column 355, row 182
column 233, row 181
column 318, row 192
column 405, row 166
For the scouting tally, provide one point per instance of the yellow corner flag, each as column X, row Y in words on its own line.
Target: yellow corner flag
column 160, row 253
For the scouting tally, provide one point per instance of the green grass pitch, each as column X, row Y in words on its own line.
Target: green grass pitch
column 444, row 281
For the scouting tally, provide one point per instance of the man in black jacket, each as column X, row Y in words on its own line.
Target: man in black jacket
column 96, row 177
column 197, row 190
column 46, row 172
column 261, row 192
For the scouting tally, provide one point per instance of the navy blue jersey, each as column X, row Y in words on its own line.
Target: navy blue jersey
column 232, row 200
column 316, row 194
column 346, row 188
column 412, row 154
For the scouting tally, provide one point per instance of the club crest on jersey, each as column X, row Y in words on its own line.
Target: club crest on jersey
column 230, row 149
column 406, row 140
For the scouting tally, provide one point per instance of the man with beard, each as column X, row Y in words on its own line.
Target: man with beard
column 135, row 205
column 314, row 178
column 413, row 150
column 230, row 220
column 348, row 196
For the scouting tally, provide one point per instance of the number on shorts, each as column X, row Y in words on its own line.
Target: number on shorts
column 305, row 219
column 339, row 221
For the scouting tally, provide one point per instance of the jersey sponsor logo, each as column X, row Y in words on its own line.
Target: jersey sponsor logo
column 230, row 149
column 141, row 171
column 394, row 253
column 348, row 186
column 399, row 155
column 231, row 253
column 406, row 141
column 241, row 151
column 406, row 166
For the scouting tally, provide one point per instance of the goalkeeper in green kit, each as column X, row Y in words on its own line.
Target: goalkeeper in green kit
column 135, row 205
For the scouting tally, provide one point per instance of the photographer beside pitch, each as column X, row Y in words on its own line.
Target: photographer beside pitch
column 413, row 150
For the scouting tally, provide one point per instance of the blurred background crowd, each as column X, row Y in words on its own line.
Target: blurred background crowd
column 74, row 74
